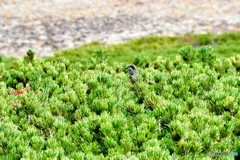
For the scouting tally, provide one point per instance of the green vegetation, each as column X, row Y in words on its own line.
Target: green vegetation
column 224, row 45
column 91, row 110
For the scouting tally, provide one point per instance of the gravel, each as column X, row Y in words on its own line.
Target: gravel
column 47, row 26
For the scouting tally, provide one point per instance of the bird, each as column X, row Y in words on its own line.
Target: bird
column 133, row 72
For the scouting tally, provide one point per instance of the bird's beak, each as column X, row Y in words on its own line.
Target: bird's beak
column 126, row 68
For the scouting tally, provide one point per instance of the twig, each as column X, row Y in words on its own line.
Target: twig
column 232, row 114
column 194, row 156
column 50, row 132
column 159, row 125
column 19, row 127
column 192, row 114
column 184, row 151
column 43, row 103
column 28, row 118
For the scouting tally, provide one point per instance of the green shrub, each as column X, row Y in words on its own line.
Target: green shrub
column 90, row 110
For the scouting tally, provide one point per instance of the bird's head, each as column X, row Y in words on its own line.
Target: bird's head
column 131, row 69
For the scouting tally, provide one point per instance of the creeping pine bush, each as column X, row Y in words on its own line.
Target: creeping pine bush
column 90, row 110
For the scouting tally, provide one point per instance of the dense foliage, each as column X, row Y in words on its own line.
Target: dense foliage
column 90, row 110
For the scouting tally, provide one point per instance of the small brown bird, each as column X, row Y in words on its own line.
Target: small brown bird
column 133, row 72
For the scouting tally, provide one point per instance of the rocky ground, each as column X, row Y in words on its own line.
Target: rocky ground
column 50, row 25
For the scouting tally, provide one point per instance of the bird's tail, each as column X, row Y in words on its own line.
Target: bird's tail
column 147, row 82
